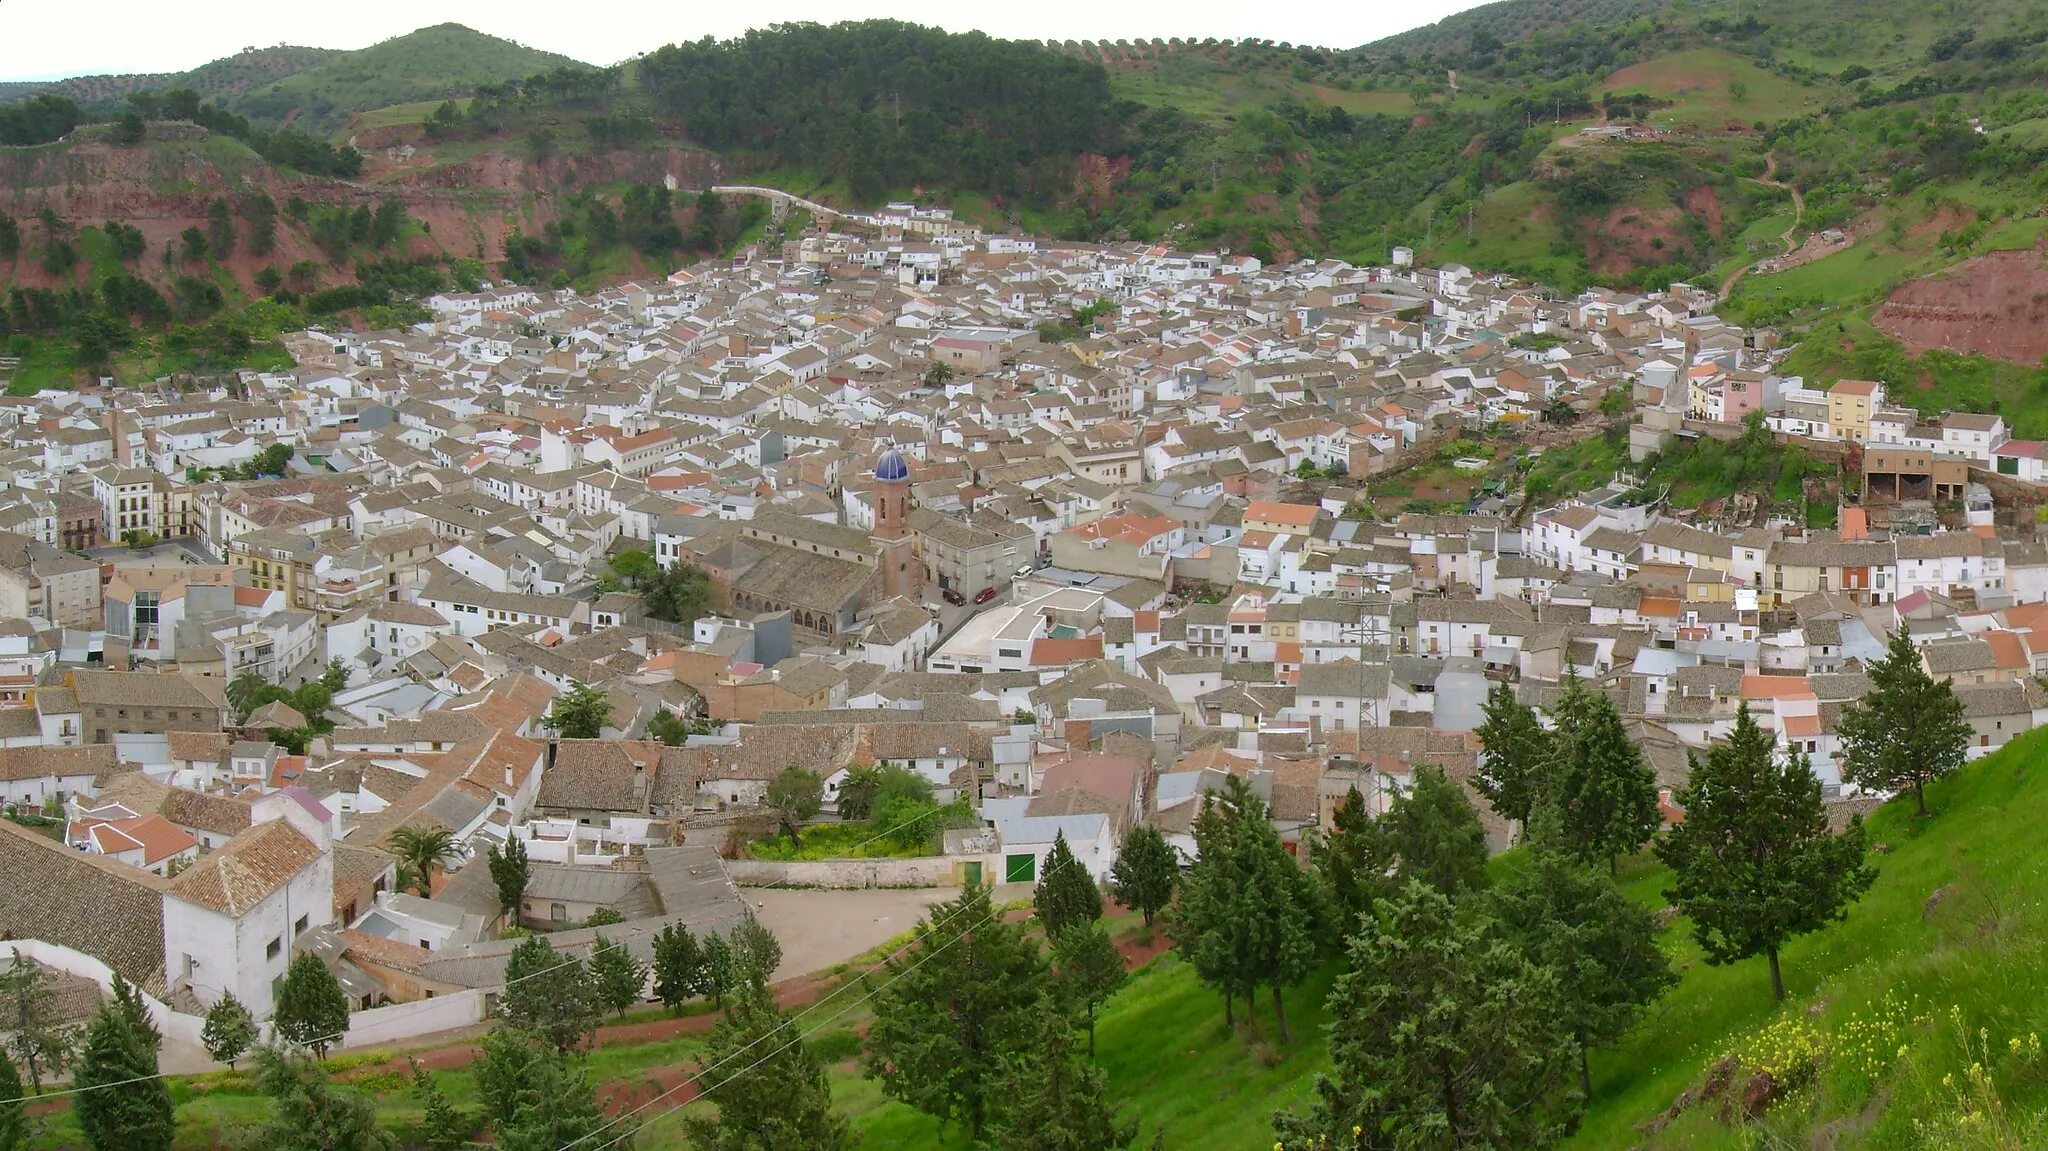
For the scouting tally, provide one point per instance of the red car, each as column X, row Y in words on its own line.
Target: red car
column 952, row 597
column 984, row 595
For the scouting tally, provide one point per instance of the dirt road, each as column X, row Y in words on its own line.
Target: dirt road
column 1769, row 180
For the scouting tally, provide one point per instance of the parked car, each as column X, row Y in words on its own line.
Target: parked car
column 984, row 595
column 952, row 596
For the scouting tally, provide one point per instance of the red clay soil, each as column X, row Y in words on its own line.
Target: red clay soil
column 1994, row 305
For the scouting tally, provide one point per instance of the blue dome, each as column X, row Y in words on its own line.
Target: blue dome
column 892, row 466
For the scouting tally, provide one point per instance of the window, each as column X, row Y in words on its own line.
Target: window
column 299, row 928
column 275, row 946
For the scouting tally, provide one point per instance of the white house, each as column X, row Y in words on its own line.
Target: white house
column 231, row 919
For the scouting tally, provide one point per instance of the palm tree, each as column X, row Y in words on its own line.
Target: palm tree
column 857, row 791
column 422, row 849
column 242, row 691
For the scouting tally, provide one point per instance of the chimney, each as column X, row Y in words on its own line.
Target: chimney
column 640, row 783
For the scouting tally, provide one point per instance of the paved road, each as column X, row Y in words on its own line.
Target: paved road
column 813, row 206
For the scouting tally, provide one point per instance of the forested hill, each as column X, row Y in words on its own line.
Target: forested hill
column 889, row 105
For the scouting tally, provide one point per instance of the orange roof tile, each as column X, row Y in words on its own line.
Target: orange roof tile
column 1049, row 652
column 2007, row 649
column 1776, row 687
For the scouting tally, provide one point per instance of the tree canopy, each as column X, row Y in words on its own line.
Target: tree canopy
column 886, row 104
column 1909, row 729
column 1444, row 1035
column 1146, row 872
column 580, row 713
column 1754, row 862
column 312, row 1010
column 952, row 1009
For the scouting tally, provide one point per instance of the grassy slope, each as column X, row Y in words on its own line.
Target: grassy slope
column 1982, row 849
column 1978, row 949
column 1698, row 82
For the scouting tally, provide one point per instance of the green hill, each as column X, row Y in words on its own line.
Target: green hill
column 432, row 63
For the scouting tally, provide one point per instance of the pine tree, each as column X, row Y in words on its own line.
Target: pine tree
column 772, row 1092
column 136, row 1115
column 510, row 872
column 1907, row 729
column 1058, row 1101
column 1248, row 916
column 618, row 979
column 1066, row 893
column 1087, row 968
column 1601, row 944
column 1146, row 872
column 1514, row 772
column 1355, row 860
column 950, row 1013
column 538, row 1096
column 309, row 1112
column 721, row 968
column 13, row 1112
column 548, row 995
column 1604, row 791
column 1435, row 833
column 443, row 1126
column 1755, row 863
column 230, row 1030
column 28, row 1018
column 678, row 966
column 311, row 1009
column 755, row 954
column 1443, row 1035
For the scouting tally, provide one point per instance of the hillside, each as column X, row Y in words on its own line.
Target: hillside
column 430, row 64
column 243, row 72
column 1807, row 164
column 1949, row 940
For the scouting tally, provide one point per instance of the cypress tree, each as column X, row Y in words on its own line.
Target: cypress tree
column 311, row 1009
column 1066, row 893
column 309, row 1113
column 617, row 978
column 1443, row 1034
column 1146, row 872
column 1601, row 944
column 1907, row 730
column 1355, row 860
column 772, row 1092
column 1514, row 772
column 547, row 994
column 678, row 966
column 1248, row 914
column 13, row 1112
column 1754, row 861
column 1605, row 793
column 1058, row 1100
column 951, row 1013
column 124, row 1104
column 1435, row 834
column 1087, row 969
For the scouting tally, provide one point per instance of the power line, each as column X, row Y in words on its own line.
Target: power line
column 994, row 914
column 553, row 967
column 549, row 969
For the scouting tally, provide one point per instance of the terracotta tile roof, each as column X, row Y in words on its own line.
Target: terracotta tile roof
column 158, row 837
column 247, row 869
column 106, row 909
column 39, row 762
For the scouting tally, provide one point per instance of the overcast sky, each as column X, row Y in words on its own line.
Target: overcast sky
column 47, row 39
